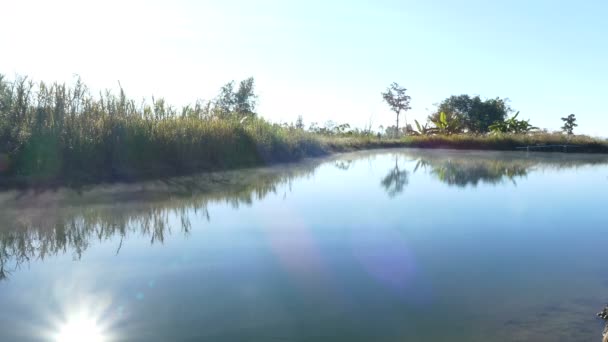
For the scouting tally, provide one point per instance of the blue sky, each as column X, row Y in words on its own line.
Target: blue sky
column 325, row 60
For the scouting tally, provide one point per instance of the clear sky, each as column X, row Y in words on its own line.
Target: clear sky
column 325, row 59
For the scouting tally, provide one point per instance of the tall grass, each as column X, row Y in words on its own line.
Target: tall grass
column 52, row 132
column 58, row 133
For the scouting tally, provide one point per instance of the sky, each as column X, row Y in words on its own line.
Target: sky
column 323, row 59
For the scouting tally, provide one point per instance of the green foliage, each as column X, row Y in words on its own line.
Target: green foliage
column 241, row 101
column 445, row 124
column 512, row 125
column 442, row 123
column 472, row 114
column 569, row 124
column 399, row 102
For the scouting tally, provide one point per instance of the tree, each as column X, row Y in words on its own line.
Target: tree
column 569, row 124
column 472, row 113
column 300, row 122
column 245, row 98
column 225, row 100
column 398, row 101
column 241, row 101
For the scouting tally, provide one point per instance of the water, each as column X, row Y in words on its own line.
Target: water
column 397, row 245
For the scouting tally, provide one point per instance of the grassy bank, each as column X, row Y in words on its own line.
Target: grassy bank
column 509, row 142
column 53, row 134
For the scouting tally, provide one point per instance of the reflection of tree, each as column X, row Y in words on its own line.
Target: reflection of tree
column 464, row 173
column 344, row 164
column 464, row 169
column 395, row 180
column 31, row 229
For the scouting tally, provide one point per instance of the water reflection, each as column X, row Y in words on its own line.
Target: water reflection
column 37, row 226
column 463, row 169
column 465, row 172
column 341, row 258
column 80, row 327
column 396, row 179
column 344, row 164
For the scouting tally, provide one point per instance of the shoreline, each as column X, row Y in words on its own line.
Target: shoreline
column 322, row 146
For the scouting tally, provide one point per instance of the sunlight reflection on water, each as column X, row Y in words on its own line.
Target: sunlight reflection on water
column 80, row 328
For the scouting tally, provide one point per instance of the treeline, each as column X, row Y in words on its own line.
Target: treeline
column 464, row 114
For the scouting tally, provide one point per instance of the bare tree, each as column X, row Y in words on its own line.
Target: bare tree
column 398, row 101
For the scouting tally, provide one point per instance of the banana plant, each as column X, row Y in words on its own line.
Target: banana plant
column 424, row 130
column 512, row 125
column 446, row 126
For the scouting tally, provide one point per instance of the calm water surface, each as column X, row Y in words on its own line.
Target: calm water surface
column 398, row 245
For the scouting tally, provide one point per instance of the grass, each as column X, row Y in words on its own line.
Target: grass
column 510, row 142
column 54, row 134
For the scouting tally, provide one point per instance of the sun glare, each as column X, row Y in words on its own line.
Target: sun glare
column 80, row 328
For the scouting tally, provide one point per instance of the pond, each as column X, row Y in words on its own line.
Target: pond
column 388, row 245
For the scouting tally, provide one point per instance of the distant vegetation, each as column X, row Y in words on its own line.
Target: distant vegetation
column 53, row 133
column 465, row 114
column 569, row 124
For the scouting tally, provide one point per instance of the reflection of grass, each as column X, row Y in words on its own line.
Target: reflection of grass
column 35, row 226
